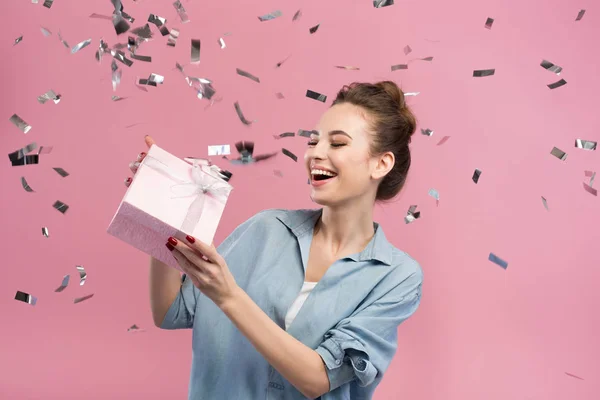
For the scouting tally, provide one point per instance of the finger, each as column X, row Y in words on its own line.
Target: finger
column 209, row 252
column 187, row 268
column 133, row 166
column 195, row 259
column 128, row 181
column 149, row 141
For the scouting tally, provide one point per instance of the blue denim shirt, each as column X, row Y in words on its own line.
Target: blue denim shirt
column 350, row 318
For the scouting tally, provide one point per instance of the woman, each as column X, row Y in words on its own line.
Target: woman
column 257, row 334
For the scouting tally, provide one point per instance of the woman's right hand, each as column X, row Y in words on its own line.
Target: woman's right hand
column 134, row 165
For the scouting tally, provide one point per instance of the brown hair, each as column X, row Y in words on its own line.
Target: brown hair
column 393, row 124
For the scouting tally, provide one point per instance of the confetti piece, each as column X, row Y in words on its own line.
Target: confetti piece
column 268, row 17
column 80, row 46
column 478, row 73
column 222, row 43
column 314, row 29
column 25, row 298
column 585, row 144
column 558, row 153
column 412, row 214
column 297, row 15
column 246, row 150
column 591, row 175
column 48, row 3
column 382, row 3
column 290, row 154
column 284, row 134
column 427, row 132
column 45, row 150
column 45, row 232
column 152, row 80
column 557, row 84
column 278, row 173
column 489, row 22
column 316, row 96
column 181, row 11
column 547, row 65
column 46, row 32
column 121, row 26
column 238, row 110
column 117, row 98
column 407, row 50
column 143, row 32
column 173, row 35
column 63, row 285
column 580, row 15
column 590, row 189
column 349, row 68
column 305, row 133
column 476, row 175
column 280, row 63
column 27, row 160
column 497, row 260
column 20, row 123
column 545, row 202
column 218, row 150
column 134, row 328
column 412, row 94
column 195, row 56
column 49, row 95
column 61, row 172
column 60, row 206
column 142, row 58
column 247, row 75
column 443, row 140
column 424, row 59
column 82, row 274
column 399, row 66
column 63, row 41
column 18, row 40
column 435, row 194
column 84, row 298
column 16, row 155
column 156, row 20
column 26, row 185
column 279, row 95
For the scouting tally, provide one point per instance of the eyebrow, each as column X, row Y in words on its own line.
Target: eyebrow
column 331, row 133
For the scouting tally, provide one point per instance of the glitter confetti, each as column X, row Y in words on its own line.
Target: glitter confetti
column 156, row 20
column 18, row 154
column 497, row 260
column 152, row 80
column 143, row 32
column 412, row 214
column 489, row 22
column 382, row 3
column 246, row 150
column 436, row 195
column 60, row 206
column 558, row 153
column 142, row 58
column 412, row 94
column 49, row 95
column 238, row 110
column 443, row 140
column 18, row 40
column 82, row 274
column 135, row 328
column 476, row 175
column 119, row 23
column 349, row 68
column 314, row 29
column 181, row 11
column 222, row 43
column 45, row 232
column 84, row 298
column 290, row 154
column 545, row 202
column 63, row 285
column 316, row 96
column 80, row 46
column 305, row 133
column 63, row 41
column 297, row 15
column 218, row 150
column 396, row 67
column 48, row 3
column 26, row 185
column 61, row 172
column 547, row 65
column 407, row 50
column 247, row 75
column 268, row 17
column 478, row 73
column 173, row 35
column 195, row 55
column 557, row 84
column 427, row 132
column 585, row 144
column 20, row 123
column 590, row 189
column 284, row 134
column 580, row 15
column 25, row 298
column 45, row 31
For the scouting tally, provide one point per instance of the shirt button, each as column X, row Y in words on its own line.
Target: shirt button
column 338, row 362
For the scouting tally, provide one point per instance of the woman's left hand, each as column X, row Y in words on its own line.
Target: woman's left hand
column 206, row 268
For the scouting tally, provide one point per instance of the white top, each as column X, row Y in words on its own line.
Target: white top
column 307, row 287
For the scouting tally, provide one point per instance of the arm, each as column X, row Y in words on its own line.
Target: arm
column 165, row 283
column 296, row 362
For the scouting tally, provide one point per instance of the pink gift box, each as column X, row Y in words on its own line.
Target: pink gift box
column 170, row 197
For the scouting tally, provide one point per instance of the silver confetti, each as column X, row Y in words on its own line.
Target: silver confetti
column 284, row 135
column 483, row 72
column 156, row 20
column 61, row 172
column 425, row 59
column 16, row 155
column 18, row 40
column 443, row 140
column 436, row 195
column 20, row 123
column 195, row 56
column 49, row 95
column 497, row 260
column 246, row 151
column 558, row 153
column 476, row 175
column 412, row 214
column 45, row 150
column 557, row 84
column 173, row 35
column 279, row 95
column 48, row 3
column 45, row 232
column 399, row 66
column 346, row 67
column 585, row 144
column 247, row 75
column 64, row 284
column 268, row 17
column 590, row 189
column 181, row 11
column 290, row 154
column 316, row 96
column 297, row 15
column 135, row 328
column 591, row 175
column 238, row 110
column 27, row 160
column 26, row 185
column 25, row 298
column 222, row 43
column 580, row 15
column 382, row 3
column 305, row 133
column 84, row 298
column 63, row 41
column 80, row 46
column 489, row 22
column 45, row 31
column 314, row 29
column 143, row 32
column 116, row 77
column 427, row 132
column 82, row 274
column 412, row 94
column 547, row 65
column 60, row 206
column 280, row 63
column 407, row 50
column 218, row 150
column 545, row 203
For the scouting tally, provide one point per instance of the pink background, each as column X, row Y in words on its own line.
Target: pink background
column 481, row 333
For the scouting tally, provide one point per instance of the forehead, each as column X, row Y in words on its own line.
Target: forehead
column 345, row 117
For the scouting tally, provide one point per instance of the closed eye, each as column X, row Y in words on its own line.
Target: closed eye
column 314, row 143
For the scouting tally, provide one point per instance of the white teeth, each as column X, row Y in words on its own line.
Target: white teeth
column 321, row 172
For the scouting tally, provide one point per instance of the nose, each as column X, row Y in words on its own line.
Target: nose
column 319, row 151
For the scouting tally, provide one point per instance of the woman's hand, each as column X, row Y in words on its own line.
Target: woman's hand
column 134, row 165
column 206, row 268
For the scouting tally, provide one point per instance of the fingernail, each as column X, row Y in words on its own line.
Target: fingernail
column 169, row 246
column 128, row 180
column 141, row 155
column 190, row 239
column 173, row 241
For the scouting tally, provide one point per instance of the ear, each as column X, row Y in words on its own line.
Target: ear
column 385, row 163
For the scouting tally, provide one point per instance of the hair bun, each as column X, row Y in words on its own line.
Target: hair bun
column 392, row 89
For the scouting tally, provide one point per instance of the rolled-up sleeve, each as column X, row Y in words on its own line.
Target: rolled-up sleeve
column 363, row 345
column 181, row 312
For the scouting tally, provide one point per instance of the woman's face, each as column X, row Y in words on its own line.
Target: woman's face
column 339, row 148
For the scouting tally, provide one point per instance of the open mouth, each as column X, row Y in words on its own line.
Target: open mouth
column 323, row 176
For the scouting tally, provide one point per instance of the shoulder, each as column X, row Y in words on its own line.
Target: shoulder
column 406, row 268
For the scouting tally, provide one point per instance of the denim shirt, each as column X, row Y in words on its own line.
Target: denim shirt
column 350, row 318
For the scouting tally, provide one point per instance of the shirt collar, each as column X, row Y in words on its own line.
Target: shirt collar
column 302, row 222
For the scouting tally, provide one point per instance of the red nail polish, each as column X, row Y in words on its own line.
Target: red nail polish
column 173, row 241
column 128, row 180
column 169, row 246
column 190, row 239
